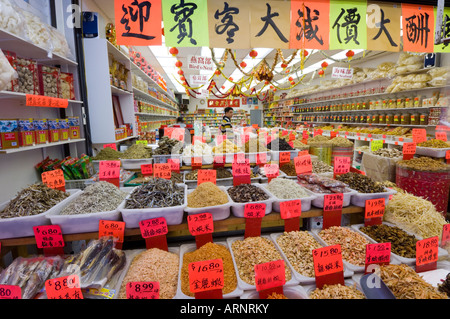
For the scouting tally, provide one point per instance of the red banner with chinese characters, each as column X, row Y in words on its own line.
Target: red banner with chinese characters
column 224, row 103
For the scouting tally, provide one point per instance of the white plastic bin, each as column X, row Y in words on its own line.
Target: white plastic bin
column 219, row 212
column 359, row 199
column 319, row 199
column 306, row 201
column 135, row 163
column 295, row 292
column 238, row 209
column 192, row 184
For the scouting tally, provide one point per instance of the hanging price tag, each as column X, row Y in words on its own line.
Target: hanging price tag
column 206, row 176
column 285, row 157
column 441, row 136
column 143, row 290
column 272, row 171
column 377, row 254
column 147, row 169
column 174, row 164
column 206, row 279
column 427, row 251
column 332, row 210
column 54, row 179
column 115, row 229
column 445, row 235
column 375, row 145
column 409, row 150
column 303, row 164
column 162, row 171
column 270, row 277
column 113, row 146
column 110, row 171
column 290, row 212
column 67, row 287
column 328, row 266
column 341, row 165
column 8, row 292
column 419, row 135
column 253, row 214
column 201, row 226
column 374, row 211
column 154, row 232
column 49, row 238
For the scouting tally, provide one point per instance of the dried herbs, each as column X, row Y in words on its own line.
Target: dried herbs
column 157, row 193
column 423, row 164
column 107, row 154
column 286, row 189
column 444, row 287
column 33, row 200
column 279, row 145
column 245, row 193
column 168, row 146
column 360, row 183
column 206, row 195
column 137, row 151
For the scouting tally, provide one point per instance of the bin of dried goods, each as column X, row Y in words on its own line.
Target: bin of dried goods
column 278, row 146
column 199, row 149
column 297, row 292
column 320, row 186
column 210, row 251
column 253, row 147
column 433, row 148
column 253, row 251
column 83, row 211
column 380, row 165
column 227, row 149
column 167, row 148
column 140, row 179
column 285, row 190
column 135, row 156
column 342, row 147
column 209, row 198
column 224, row 177
column 28, row 208
column 352, row 243
column 249, row 193
column 321, row 147
column 157, row 198
column 153, row 265
column 337, row 291
column 427, row 178
column 366, row 188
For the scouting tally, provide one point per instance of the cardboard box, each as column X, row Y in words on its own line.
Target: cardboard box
column 64, row 130
column 40, row 131
column 26, row 132
column 53, row 130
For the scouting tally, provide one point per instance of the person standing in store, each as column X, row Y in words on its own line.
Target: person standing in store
column 180, row 122
column 226, row 121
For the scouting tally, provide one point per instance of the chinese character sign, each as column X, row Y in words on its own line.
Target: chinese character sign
column 310, row 24
column 383, row 26
column 200, row 63
column 185, row 23
column 418, row 28
column 224, row 103
column 270, row 27
column 229, row 24
column 348, row 25
column 138, row 22
column 445, row 34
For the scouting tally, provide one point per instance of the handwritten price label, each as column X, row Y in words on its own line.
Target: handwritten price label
column 113, row 146
column 49, row 236
column 305, row 135
column 174, row 164
column 143, row 290
column 376, row 145
column 147, row 169
column 241, row 169
column 427, row 251
column 285, row 157
column 272, row 170
column 328, row 260
column 114, row 229
column 378, row 253
column 162, row 171
column 109, row 169
column 200, row 224
column 54, row 179
column 419, row 135
column 409, row 148
column 261, row 158
column 45, row 101
column 441, row 136
column 206, row 275
column 270, row 275
column 8, row 292
column 67, row 287
column 206, row 176
column 333, row 202
column 153, row 227
column 445, row 234
column 341, row 165
column 255, row 210
column 375, row 208
column 303, row 164
column 291, row 209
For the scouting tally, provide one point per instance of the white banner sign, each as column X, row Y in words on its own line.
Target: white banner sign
column 198, row 80
column 200, row 63
column 342, row 73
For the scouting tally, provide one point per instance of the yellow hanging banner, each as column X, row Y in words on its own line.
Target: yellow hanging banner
column 383, row 26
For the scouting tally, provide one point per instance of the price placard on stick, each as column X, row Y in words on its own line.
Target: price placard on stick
column 328, row 266
column 374, row 211
column 162, row 171
column 303, row 164
column 174, row 164
column 54, row 179
column 143, row 290
column 206, row 176
column 113, row 146
column 445, row 235
column 147, row 169
column 67, row 287
column 285, row 157
column 332, row 210
column 271, row 171
column 270, row 275
column 8, row 292
column 378, row 254
column 48, row 236
column 409, row 150
column 201, row 226
column 290, row 212
column 154, row 232
column 254, row 214
column 110, row 171
column 419, row 135
column 427, row 251
column 342, row 165
column 206, row 279
column 441, row 136
column 115, row 229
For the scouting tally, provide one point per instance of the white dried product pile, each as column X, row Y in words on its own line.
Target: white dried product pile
column 286, row 189
column 254, row 251
column 154, row 265
column 337, row 292
column 297, row 246
column 353, row 245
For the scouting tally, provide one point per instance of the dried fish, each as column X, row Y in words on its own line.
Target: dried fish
column 157, row 193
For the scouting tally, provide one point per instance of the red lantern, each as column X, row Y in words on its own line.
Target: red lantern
column 183, row 78
column 292, row 83
column 271, row 87
column 173, row 51
column 223, row 87
column 184, row 83
column 324, row 65
column 291, row 79
column 350, row 54
column 230, row 79
column 266, row 83
column 305, row 53
column 284, row 65
column 243, row 65
column 178, row 64
column 321, row 72
column 217, row 72
column 180, row 72
column 253, row 54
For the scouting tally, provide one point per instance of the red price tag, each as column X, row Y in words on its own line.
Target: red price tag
column 333, row 202
column 257, row 210
column 206, row 175
column 379, row 254
column 284, row 133
column 206, row 275
column 409, row 148
column 427, row 251
column 333, row 134
column 303, row 153
column 445, row 235
column 291, row 137
column 305, row 135
column 109, row 170
column 8, row 292
column 147, row 169
column 67, row 287
column 303, row 164
column 241, row 169
column 342, row 165
column 54, row 179
column 261, row 158
column 153, row 227
column 375, row 208
column 328, row 260
column 200, row 224
column 419, row 135
column 272, row 170
column 291, row 209
column 174, row 164
column 270, row 275
column 239, row 158
column 162, row 171
column 200, row 139
column 109, row 228
column 441, row 136
column 113, row 146
column 49, row 236
column 178, row 134
column 143, row 290
column 285, row 157
column 196, row 162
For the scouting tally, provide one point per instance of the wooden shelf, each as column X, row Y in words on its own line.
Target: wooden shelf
column 39, row 146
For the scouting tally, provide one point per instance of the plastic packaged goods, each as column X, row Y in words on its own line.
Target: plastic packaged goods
column 337, row 291
column 66, row 86
column 322, row 184
column 59, row 43
column 153, row 265
column 28, row 77
column 405, row 283
column 168, row 146
column 30, row 274
column 207, row 195
column 11, row 20
column 49, row 80
column 37, row 31
column 7, row 73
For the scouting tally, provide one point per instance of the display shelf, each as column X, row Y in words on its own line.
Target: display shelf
column 40, row 146
column 23, row 48
column 155, row 115
column 371, row 110
column 144, row 95
column 118, row 91
column 117, row 54
column 125, row 139
column 22, row 96
column 363, row 124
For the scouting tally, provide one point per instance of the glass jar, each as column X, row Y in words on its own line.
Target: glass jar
column 415, row 119
column 406, row 119
column 397, row 119
column 389, row 119
column 408, row 103
column 418, row 101
column 375, row 119
column 400, row 103
column 382, row 119
column 423, row 119
column 369, row 119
